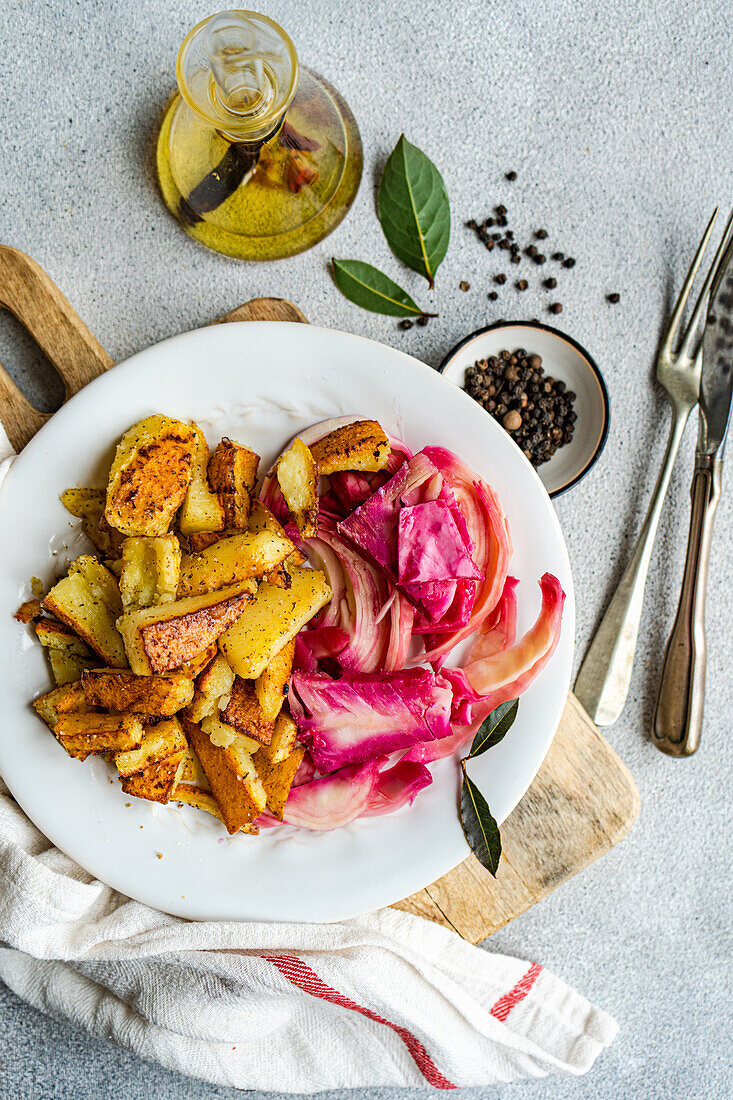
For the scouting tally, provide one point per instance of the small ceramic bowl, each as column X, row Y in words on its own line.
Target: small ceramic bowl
column 562, row 358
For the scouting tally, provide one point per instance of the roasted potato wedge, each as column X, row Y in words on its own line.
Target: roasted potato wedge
column 201, row 510
column 271, row 620
column 297, row 475
column 56, row 635
column 103, row 584
column 244, row 713
column 156, row 696
column 150, row 476
column 271, row 686
column 262, row 519
column 284, row 740
column 65, row 699
column 66, row 667
column 233, row 778
column 232, row 560
column 198, row 663
column 192, row 773
column 87, row 733
column 150, row 571
column 223, row 735
column 157, row 782
column 159, row 742
column 277, row 779
column 362, row 445
column 232, row 475
column 213, row 685
column 82, row 606
column 28, row 611
column 88, row 506
column 158, row 639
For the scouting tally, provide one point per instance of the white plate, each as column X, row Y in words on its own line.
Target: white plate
column 259, row 382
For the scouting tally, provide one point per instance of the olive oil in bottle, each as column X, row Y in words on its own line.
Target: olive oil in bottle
column 257, row 158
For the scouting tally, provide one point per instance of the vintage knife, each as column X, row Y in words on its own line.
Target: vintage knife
column 677, row 724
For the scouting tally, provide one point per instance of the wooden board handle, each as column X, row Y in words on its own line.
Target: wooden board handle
column 28, row 292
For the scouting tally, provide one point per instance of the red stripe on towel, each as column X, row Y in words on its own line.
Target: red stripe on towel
column 300, row 974
column 505, row 1004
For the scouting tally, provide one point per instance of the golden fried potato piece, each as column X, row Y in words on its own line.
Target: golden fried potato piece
column 271, row 620
column 88, row 506
column 277, row 779
column 231, row 560
column 158, row 639
column 67, row 668
column 212, row 685
column 149, row 571
column 156, row 696
column 202, row 511
column 64, row 699
column 225, row 736
column 157, row 782
column 233, row 778
column 159, row 743
column 297, row 475
column 232, row 475
column 28, row 611
column 192, row 773
column 198, row 663
column 82, row 606
column 262, row 519
column 271, row 686
column 362, row 445
column 102, row 582
column 284, row 740
column 85, row 734
column 244, row 713
column 56, row 635
column 150, row 476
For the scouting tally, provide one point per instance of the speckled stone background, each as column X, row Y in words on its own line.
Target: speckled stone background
column 617, row 118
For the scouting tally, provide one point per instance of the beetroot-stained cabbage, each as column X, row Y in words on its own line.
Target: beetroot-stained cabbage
column 306, row 771
column 333, row 800
column 401, row 619
column 373, row 526
column 450, row 604
column 430, row 546
column 425, row 752
column 483, row 684
column 359, row 717
column 398, row 786
column 489, row 534
column 499, row 629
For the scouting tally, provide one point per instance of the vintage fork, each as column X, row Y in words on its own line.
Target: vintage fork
column 605, row 674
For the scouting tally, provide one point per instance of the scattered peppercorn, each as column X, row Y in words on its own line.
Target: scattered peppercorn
column 550, row 283
column 558, row 256
column 556, row 307
column 535, row 408
column 539, row 258
column 511, row 176
column 570, row 262
column 613, row 298
column 405, row 324
column 500, row 278
column 521, row 284
column 422, row 320
column 492, row 295
column 515, row 258
column 500, row 210
column 541, row 234
column 463, row 285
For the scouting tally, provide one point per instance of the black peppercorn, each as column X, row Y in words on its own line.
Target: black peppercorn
column 541, row 234
column 558, row 256
column 463, row 285
column 500, row 278
column 405, row 324
column 511, row 176
column 423, row 320
column 492, row 295
column 613, row 298
column 550, row 284
column 515, row 259
column 500, row 210
column 521, row 284
column 570, row 262
column 556, row 307
column 539, row 258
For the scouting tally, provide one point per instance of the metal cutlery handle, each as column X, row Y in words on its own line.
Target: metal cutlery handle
column 677, row 724
column 605, row 674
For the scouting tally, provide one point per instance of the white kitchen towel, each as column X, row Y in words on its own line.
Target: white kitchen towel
column 384, row 999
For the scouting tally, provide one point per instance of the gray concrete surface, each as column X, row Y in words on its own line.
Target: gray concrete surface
column 617, row 118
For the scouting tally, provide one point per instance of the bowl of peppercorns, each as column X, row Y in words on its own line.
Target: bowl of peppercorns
column 544, row 389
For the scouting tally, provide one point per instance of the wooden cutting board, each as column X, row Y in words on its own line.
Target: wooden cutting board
column 583, row 799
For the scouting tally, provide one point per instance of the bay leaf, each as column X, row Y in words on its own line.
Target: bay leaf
column 371, row 289
column 413, row 208
column 479, row 826
column 494, row 728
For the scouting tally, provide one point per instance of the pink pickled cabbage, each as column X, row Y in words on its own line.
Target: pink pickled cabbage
column 426, row 752
column 483, row 684
column 489, row 534
column 449, row 603
column 430, row 546
column 334, row 800
column 398, row 786
column 359, row 716
column 499, row 629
